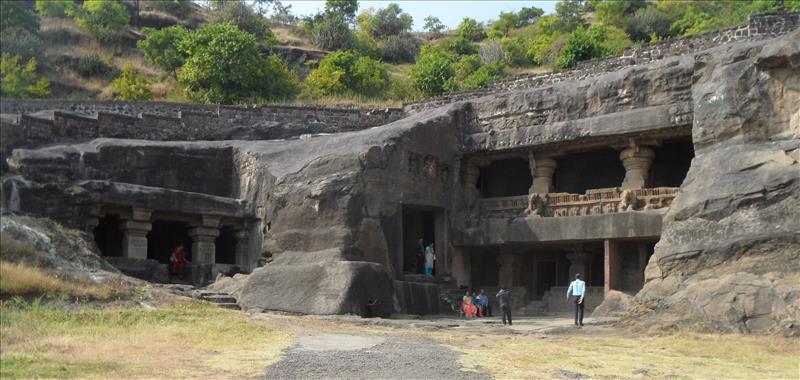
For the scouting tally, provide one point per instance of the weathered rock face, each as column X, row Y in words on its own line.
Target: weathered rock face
column 729, row 255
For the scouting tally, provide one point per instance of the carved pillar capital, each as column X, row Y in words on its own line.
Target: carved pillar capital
column 637, row 161
column 542, row 170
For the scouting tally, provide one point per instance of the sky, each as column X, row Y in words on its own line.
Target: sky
column 449, row 12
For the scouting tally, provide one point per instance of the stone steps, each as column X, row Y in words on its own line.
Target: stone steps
column 223, row 300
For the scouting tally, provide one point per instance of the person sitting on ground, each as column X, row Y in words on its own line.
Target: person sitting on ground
column 483, row 303
column 467, row 307
column 178, row 261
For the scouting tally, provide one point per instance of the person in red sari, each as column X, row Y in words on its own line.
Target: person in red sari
column 467, row 307
column 178, row 261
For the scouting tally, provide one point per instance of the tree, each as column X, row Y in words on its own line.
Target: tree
column 19, row 14
column 529, row 15
column 434, row 26
column 131, row 85
column 161, row 47
column 648, row 23
column 570, row 14
column 20, row 81
column 399, row 49
column 460, row 45
column 245, row 18
column 471, row 29
column 389, row 21
column 433, row 70
column 346, row 8
column 224, row 65
column 53, row 8
column 331, row 32
column 103, row 18
column 346, row 72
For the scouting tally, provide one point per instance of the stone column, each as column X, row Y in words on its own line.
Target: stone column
column 506, row 275
column 461, row 267
column 134, row 238
column 542, row 169
column 611, row 266
column 474, row 166
column 203, row 253
column 637, row 161
column 577, row 264
column 242, row 239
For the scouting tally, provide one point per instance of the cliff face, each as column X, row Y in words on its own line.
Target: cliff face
column 729, row 255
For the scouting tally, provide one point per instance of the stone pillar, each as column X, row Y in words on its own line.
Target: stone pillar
column 474, row 166
column 611, row 266
column 134, row 238
column 461, row 267
column 242, row 240
column 203, row 253
column 637, row 161
column 542, row 169
column 506, row 275
column 577, row 264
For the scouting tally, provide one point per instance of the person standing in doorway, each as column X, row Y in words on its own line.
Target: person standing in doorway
column 504, row 296
column 420, row 256
column 430, row 259
column 577, row 290
column 177, row 261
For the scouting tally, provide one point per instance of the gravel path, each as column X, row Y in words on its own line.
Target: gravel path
column 368, row 357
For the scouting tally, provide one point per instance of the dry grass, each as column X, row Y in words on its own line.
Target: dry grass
column 687, row 355
column 194, row 341
column 343, row 102
column 528, row 70
column 19, row 279
column 289, row 36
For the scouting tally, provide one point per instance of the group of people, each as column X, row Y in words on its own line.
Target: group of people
column 426, row 258
column 473, row 305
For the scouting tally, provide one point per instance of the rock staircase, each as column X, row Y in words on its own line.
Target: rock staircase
column 223, row 300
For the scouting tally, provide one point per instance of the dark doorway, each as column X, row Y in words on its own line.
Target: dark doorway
column 225, row 246
column 108, row 236
column 545, row 276
column 165, row 236
column 671, row 163
column 485, row 270
column 597, row 169
column 417, row 223
column 505, row 178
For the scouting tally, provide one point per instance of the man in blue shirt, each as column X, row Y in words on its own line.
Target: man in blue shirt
column 577, row 290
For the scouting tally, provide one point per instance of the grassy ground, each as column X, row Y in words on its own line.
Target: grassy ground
column 180, row 341
column 683, row 355
column 22, row 279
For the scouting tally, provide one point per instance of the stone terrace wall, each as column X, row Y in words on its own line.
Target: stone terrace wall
column 759, row 26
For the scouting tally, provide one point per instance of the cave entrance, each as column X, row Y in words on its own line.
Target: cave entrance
column 419, row 223
column 165, row 236
column 672, row 162
column 108, row 236
column 505, row 178
column 596, row 169
column 225, row 245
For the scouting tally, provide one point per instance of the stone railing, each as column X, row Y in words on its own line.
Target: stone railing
column 594, row 202
column 759, row 26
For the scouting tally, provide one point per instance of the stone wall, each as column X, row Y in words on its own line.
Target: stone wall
column 759, row 26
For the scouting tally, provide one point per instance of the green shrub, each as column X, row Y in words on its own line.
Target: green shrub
column 482, row 76
column 570, row 15
column 516, row 51
column 92, row 65
column 53, row 8
column 245, row 18
column 131, row 85
column 224, row 65
column 365, row 45
column 21, row 42
column 389, row 21
column 648, row 22
column 580, row 46
column 21, row 81
column 399, row 49
column 460, row 45
column 346, row 72
column 403, row 89
column 471, row 29
column 466, row 65
column 433, row 70
column 103, row 18
column 161, row 47
column 19, row 14
column 174, row 7
column 332, row 32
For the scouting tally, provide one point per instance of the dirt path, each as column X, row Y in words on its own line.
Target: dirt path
column 350, row 356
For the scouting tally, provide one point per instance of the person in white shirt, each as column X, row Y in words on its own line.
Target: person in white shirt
column 577, row 290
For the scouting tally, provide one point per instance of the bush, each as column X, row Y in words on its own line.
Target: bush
column 492, row 51
column 174, row 7
column 224, row 65
column 482, row 76
column 131, row 85
column 21, row 42
column 580, row 46
column 20, row 81
column 471, row 29
column 610, row 39
column 647, row 23
column 103, row 18
column 245, row 18
column 345, row 72
column 403, row 89
column 53, row 8
column 460, row 45
column 399, row 49
column 161, row 47
column 433, row 70
column 92, row 65
column 466, row 65
column 365, row 45
column 19, row 14
column 332, row 32
column 516, row 51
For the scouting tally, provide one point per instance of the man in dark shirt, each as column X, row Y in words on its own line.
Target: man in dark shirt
column 420, row 256
column 504, row 296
